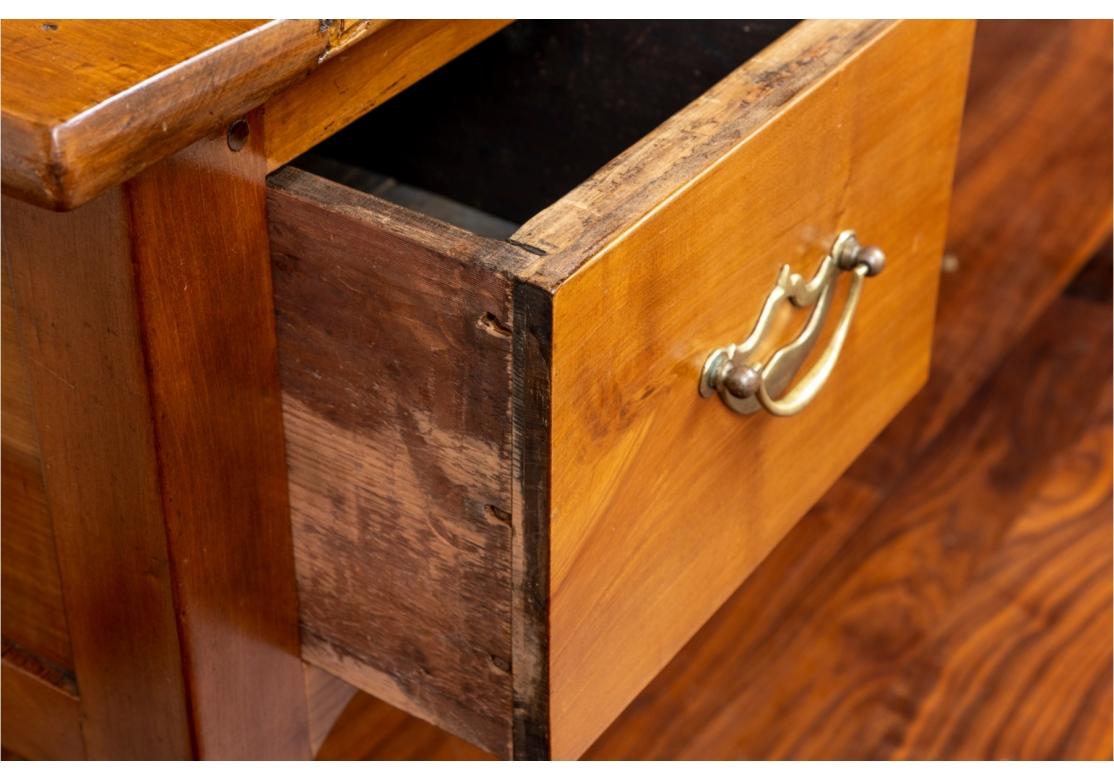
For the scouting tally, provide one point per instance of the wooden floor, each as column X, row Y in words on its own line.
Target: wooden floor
column 950, row 597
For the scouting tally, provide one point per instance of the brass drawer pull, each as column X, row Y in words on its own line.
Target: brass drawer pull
column 746, row 385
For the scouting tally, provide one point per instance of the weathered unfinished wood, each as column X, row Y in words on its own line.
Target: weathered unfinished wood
column 147, row 321
column 363, row 77
column 532, row 415
column 661, row 503
column 33, row 615
column 395, row 350
column 40, row 710
column 88, row 104
column 413, row 198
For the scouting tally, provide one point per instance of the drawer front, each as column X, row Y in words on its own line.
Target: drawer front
column 660, row 501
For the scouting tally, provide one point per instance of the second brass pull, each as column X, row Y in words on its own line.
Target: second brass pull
column 745, row 384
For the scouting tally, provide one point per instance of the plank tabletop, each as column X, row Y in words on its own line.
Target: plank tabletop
column 87, row 104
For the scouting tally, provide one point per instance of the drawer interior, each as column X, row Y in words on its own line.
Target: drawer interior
column 508, row 128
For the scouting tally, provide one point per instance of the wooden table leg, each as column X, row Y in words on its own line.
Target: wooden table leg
column 147, row 322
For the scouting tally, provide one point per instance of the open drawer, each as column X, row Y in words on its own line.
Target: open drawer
column 511, row 503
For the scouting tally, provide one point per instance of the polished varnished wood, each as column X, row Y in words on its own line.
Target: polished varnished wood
column 109, row 657
column 363, row 77
column 395, row 351
column 694, row 495
column 88, row 104
column 1034, row 180
column 40, row 712
column 33, row 615
column 539, row 337
column 147, row 324
column 1040, row 192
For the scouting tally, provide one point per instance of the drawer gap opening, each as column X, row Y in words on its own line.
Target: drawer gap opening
column 513, row 125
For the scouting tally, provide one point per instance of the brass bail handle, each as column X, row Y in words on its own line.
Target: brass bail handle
column 745, row 384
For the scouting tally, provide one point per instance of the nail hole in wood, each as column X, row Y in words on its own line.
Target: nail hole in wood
column 490, row 323
column 238, row 134
column 496, row 515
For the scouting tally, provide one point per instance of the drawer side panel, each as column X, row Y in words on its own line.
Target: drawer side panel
column 395, row 356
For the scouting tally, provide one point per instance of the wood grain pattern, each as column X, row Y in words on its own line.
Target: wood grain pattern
column 88, row 104
column 42, row 719
column 146, row 317
column 395, row 349
column 632, row 327
column 19, row 431
column 939, row 731
column 33, row 613
column 129, row 677
column 1025, row 603
column 1026, row 83
column 204, row 282
column 1044, row 665
column 363, row 77
column 1033, row 180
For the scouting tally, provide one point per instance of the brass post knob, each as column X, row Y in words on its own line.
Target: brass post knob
column 852, row 253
